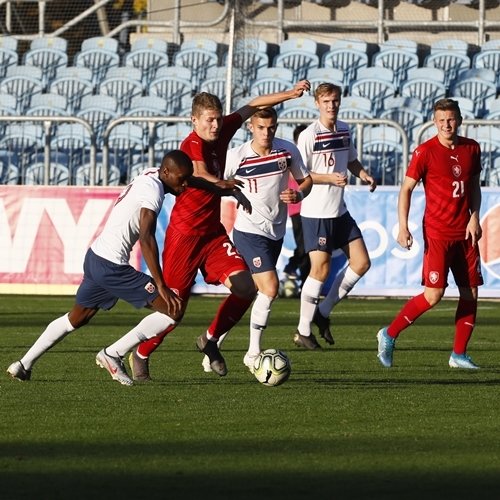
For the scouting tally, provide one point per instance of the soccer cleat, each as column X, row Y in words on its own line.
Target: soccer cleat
column 385, row 347
column 115, row 367
column 462, row 361
column 249, row 360
column 309, row 342
column 323, row 325
column 211, row 349
column 206, row 364
column 16, row 370
column 139, row 367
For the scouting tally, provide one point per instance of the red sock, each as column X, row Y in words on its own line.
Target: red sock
column 229, row 313
column 146, row 348
column 465, row 318
column 411, row 311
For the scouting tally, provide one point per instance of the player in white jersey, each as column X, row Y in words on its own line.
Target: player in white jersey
column 329, row 153
column 108, row 275
column 263, row 165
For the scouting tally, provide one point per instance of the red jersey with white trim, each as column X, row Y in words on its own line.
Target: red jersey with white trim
column 197, row 211
column 447, row 178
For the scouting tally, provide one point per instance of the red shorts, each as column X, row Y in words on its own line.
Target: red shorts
column 441, row 256
column 214, row 255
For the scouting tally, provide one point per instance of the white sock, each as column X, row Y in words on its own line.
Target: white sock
column 259, row 317
column 221, row 339
column 149, row 327
column 343, row 283
column 53, row 334
column 309, row 298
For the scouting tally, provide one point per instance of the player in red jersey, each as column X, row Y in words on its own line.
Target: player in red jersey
column 195, row 238
column 449, row 167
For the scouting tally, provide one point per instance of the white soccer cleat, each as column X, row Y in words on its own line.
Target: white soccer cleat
column 462, row 361
column 16, row 370
column 385, row 347
column 206, row 364
column 249, row 361
column 115, row 367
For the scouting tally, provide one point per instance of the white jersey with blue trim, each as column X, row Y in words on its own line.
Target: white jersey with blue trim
column 264, row 178
column 121, row 230
column 325, row 152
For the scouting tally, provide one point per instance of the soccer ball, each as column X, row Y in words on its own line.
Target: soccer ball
column 288, row 288
column 272, row 367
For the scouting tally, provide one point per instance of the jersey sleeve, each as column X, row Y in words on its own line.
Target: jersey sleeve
column 297, row 168
column 150, row 196
column 417, row 164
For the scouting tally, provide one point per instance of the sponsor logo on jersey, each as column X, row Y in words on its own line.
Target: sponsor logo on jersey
column 257, row 262
column 150, row 287
column 433, row 277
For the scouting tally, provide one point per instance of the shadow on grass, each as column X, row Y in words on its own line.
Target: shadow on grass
column 186, row 470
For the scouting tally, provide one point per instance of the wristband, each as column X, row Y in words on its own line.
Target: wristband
column 300, row 195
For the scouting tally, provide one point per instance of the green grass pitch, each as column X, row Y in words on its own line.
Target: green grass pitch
column 342, row 426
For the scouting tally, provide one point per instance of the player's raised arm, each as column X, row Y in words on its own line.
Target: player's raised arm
column 269, row 100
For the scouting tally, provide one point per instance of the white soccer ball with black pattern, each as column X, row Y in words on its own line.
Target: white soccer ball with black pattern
column 272, row 367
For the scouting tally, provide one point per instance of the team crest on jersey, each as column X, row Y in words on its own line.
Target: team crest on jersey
column 257, row 262
column 150, row 287
column 322, row 241
column 457, row 170
column 282, row 164
column 433, row 277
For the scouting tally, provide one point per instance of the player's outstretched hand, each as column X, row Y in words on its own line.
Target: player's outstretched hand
column 301, row 87
column 242, row 200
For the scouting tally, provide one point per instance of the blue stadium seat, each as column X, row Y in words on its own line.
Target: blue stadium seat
column 478, row 85
column 176, row 90
column 197, row 55
column 124, row 84
column 49, row 60
column 22, row 82
column 347, row 55
column 376, row 84
column 74, row 83
column 58, row 170
column 299, row 55
column 398, row 60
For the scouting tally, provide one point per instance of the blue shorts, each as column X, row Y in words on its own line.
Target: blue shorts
column 105, row 282
column 260, row 253
column 327, row 235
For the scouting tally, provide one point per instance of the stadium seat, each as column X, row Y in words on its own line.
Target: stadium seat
column 147, row 106
column 176, row 90
column 488, row 138
column 58, row 170
column 382, row 154
column 22, row 140
column 49, row 42
column 74, row 83
column 450, row 45
column 148, row 60
column 285, row 74
column 98, row 110
column 493, row 107
column 22, row 82
column 478, row 85
column 466, row 107
column 249, row 56
column 376, row 84
column 198, row 55
column 98, row 54
column 125, row 143
column 48, row 60
column 400, row 44
column 124, row 84
column 169, row 137
column 488, row 59
column 451, row 62
column 8, row 57
column 325, row 75
column 426, row 84
column 9, row 170
column 406, row 111
column 396, row 59
column 304, row 108
column 72, row 140
column 347, row 55
column 83, row 173
column 299, row 55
